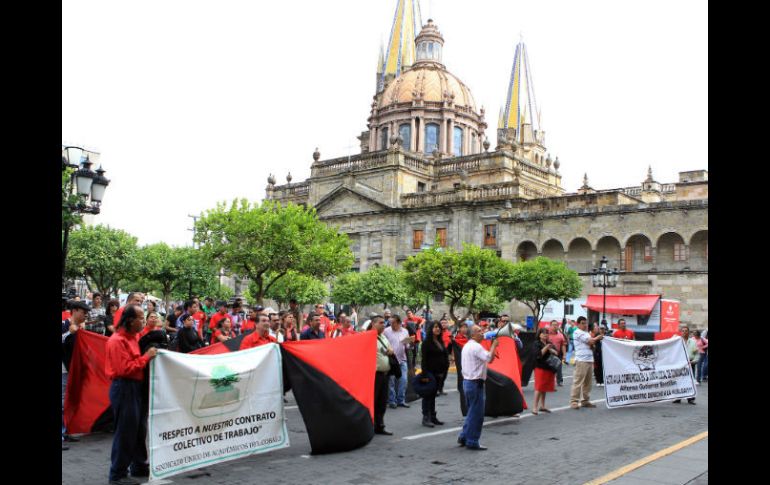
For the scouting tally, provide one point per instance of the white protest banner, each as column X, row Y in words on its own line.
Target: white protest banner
column 206, row 409
column 638, row 372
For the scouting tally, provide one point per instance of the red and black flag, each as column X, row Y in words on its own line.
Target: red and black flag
column 231, row 345
column 503, row 395
column 87, row 400
column 333, row 383
column 503, row 386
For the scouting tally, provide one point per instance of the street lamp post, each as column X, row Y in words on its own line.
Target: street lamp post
column 86, row 184
column 605, row 278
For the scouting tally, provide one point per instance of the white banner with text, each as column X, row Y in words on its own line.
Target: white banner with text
column 637, row 372
column 207, row 409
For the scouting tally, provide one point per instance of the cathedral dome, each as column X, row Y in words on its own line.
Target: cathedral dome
column 427, row 83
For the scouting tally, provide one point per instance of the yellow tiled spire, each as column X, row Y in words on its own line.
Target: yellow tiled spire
column 401, row 49
column 520, row 106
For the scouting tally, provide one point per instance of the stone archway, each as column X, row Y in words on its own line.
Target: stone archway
column 610, row 247
column 699, row 251
column 673, row 252
column 580, row 255
column 553, row 249
column 638, row 254
column 526, row 251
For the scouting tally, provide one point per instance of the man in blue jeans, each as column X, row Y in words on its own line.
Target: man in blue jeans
column 398, row 337
column 474, row 362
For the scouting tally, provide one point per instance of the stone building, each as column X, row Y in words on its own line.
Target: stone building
column 426, row 171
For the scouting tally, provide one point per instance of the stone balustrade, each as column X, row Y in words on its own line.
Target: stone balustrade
column 354, row 163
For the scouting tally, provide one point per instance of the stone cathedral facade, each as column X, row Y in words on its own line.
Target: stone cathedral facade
column 427, row 170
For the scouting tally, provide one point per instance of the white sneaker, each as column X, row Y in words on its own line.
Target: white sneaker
column 600, row 385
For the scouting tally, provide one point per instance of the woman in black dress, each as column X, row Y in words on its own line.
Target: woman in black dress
column 435, row 361
column 189, row 339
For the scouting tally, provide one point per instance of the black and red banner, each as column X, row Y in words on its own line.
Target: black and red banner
column 333, row 383
column 503, row 395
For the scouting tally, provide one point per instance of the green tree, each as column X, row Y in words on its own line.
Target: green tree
column 176, row 272
column 383, row 285
column 456, row 275
column 105, row 257
column 347, row 289
column 264, row 242
column 305, row 289
column 538, row 281
column 488, row 299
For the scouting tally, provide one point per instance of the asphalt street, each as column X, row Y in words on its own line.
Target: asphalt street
column 565, row 447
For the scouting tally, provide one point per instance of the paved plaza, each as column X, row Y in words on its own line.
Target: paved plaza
column 566, row 447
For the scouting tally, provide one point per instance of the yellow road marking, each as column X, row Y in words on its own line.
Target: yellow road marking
column 639, row 463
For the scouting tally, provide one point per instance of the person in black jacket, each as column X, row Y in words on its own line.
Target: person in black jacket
column 189, row 339
column 435, row 361
column 545, row 378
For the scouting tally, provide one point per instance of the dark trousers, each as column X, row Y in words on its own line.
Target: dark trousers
column 429, row 402
column 441, row 382
column 128, row 447
column 380, row 399
column 63, row 391
column 598, row 369
column 559, row 378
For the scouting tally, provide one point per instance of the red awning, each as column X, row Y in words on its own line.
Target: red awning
column 623, row 304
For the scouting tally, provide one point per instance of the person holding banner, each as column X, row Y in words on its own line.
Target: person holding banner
column 125, row 368
column 545, row 378
column 703, row 357
column 474, row 360
column 692, row 354
column 381, row 376
column 580, row 396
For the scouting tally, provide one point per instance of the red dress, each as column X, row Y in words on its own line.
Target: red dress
column 545, row 380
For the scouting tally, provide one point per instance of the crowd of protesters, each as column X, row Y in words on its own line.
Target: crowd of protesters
column 414, row 345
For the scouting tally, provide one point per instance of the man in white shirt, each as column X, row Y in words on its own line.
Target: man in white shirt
column 584, row 365
column 474, row 362
column 398, row 338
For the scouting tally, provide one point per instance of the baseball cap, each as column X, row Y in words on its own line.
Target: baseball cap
column 79, row 305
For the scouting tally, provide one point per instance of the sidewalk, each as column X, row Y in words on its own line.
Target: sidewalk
column 686, row 466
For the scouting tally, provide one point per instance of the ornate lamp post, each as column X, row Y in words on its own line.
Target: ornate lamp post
column 605, row 278
column 85, row 184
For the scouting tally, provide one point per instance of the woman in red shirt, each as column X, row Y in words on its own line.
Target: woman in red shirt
column 153, row 323
column 224, row 331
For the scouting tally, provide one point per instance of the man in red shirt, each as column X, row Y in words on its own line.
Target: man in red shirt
column 251, row 322
column 260, row 336
column 325, row 322
column 219, row 315
column 200, row 317
column 134, row 298
column 622, row 333
column 559, row 342
column 343, row 328
column 125, row 367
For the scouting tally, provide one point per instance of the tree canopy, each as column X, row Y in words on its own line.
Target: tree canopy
column 105, row 257
column 263, row 242
column 538, row 281
column 305, row 289
column 456, row 275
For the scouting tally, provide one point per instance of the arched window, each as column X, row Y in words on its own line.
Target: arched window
column 384, row 139
column 457, row 143
column 431, row 137
column 405, row 131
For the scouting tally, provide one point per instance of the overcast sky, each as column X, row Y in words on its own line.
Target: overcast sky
column 195, row 102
